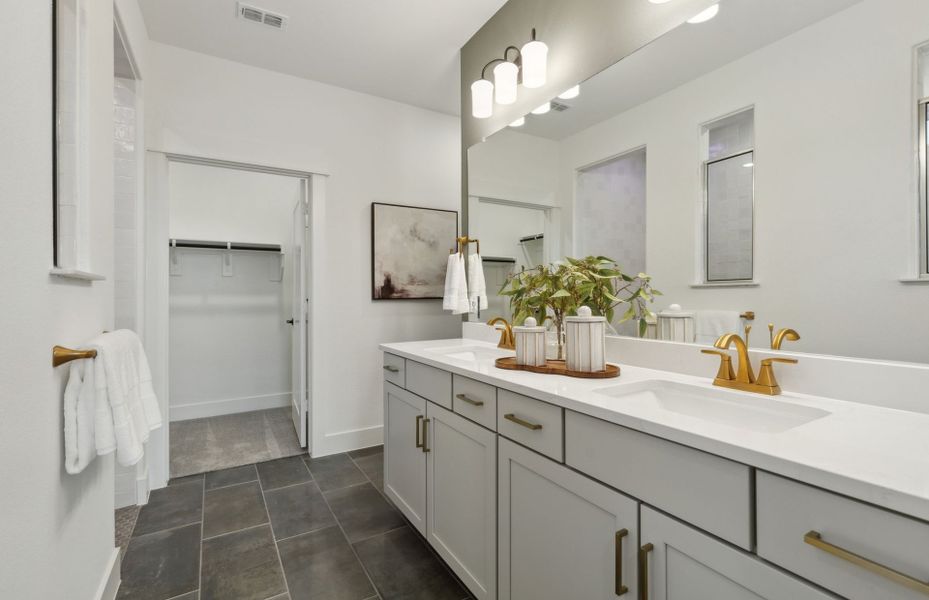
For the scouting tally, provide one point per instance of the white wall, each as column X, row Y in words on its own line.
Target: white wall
column 57, row 529
column 515, row 166
column 835, row 181
column 230, row 347
column 373, row 150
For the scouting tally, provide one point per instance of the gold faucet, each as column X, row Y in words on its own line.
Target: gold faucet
column 507, row 341
column 784, row 334
column 743, row 378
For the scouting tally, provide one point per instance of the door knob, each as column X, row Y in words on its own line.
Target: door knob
column 289, row 321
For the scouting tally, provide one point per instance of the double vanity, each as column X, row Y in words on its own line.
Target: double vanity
column 652, row 486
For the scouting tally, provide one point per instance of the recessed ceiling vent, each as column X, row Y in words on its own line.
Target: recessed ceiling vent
column 260, row 15
column 559, row 107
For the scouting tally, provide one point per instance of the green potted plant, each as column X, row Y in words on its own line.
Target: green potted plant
column 553, row 292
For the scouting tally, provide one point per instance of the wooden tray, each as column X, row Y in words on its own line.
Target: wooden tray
column 556, row 367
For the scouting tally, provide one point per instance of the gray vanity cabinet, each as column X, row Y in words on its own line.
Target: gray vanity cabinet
column 461, row 494
column 678, row 562
column 404, row 459
column 560, row 534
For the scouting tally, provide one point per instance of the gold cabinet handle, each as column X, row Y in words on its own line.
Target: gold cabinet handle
column 426, row 447
column 620, row 588
column 815, row 539
column 391, row 369
column 470, row 401
column 643, row 570
column 419, row 441
column 524, row 423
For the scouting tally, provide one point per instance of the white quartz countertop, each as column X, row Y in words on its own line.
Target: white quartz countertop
column 878, row 455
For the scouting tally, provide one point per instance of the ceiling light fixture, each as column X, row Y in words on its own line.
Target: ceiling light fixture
column 749, row 165
column 569, row 93
column 531, row 63
column 658, row 1
column 541, row 110
column 704, row 16
column 518, row 122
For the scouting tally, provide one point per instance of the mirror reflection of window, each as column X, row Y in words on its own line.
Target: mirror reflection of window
column 610, row 210
column 729, row 196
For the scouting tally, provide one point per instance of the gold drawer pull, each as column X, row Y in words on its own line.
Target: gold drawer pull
column 620, row 588
column 815, row 539
column 419, row 420
column 391, row 369
column 470, row 401
column 643, row 570
column 426, row 447
column 526, row 424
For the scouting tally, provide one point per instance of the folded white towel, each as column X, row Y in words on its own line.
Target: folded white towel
column 79, row 416
column 124, row 380
column 710, row 324
column 451, row 282
column 477, row 288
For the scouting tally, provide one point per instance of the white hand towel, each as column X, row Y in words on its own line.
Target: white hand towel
column 477, row 288
column 462, row 304
column 125, row 402
column 79, row 416
column 451, row 282
column 710, row 324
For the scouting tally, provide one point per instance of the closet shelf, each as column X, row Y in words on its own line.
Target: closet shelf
column 212, row 245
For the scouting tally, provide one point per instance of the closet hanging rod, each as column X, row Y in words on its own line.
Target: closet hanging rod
column 211, row 245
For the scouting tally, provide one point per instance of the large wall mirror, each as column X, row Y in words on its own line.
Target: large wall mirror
column 763, row 167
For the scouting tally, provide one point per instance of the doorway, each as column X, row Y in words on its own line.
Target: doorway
column 237, row 315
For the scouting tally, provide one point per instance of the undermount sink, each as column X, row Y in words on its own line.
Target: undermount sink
column 470, row 353
column 763, row 414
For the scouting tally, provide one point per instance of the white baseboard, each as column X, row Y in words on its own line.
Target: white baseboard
column 227, row 406
column 109, row 583
column 343, row 441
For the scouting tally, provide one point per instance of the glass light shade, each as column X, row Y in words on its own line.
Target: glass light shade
column 569, row 93
column 482, row 99
column 704, row 16
column 518, row 122
column 541, row 110
column 505, row 75
column 535, row 63
column 658, row 1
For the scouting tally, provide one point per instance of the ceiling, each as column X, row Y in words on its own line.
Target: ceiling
column 741, row 27
column 403, row 50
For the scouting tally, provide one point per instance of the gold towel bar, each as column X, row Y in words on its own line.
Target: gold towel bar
column 748, row 315
column 62, row 355
column 462, row 242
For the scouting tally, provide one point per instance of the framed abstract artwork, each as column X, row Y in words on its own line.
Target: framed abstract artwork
column 409, row 251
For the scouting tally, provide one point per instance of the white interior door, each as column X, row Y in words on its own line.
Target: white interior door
column 299, row 394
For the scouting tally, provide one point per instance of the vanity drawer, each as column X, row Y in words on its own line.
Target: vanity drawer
column 532, row 423
column 395, row 369
column 475, row 400
column 788, row 511
column 712, row 493
column 430, row 383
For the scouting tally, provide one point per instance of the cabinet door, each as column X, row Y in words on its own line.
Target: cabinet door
column 461, row 498
column 681, row 563
column 561, row 534
column 404, row 458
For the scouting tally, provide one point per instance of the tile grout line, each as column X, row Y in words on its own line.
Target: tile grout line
column 172, row 528
column 202, row 521
column 277, row 551
column 345, row 537
column 371, row 537
column 225, row 533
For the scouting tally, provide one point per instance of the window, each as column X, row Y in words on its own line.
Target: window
column 923, row 188
column 729, row 198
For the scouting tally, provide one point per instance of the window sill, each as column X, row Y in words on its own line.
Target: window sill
column 725, row 284
column 915, row 280
column 76, row 274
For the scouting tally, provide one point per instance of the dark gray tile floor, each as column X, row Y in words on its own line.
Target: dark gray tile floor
column 289, row 529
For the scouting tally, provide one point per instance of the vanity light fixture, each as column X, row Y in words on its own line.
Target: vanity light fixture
column 541, row 110
column 704, row 16
column 572, row 92
column 505, row 76
column 530, row 62
column 518, row 122
column 482, row 99
column 535, row 62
